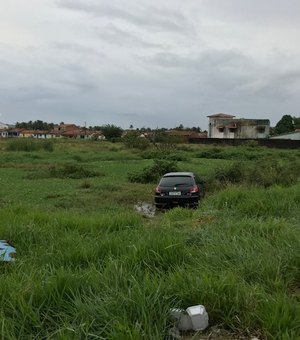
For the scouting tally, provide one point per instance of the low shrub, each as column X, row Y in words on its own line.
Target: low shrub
column 232, row 174
column 213, row 153
column 172, row 156
column 251, row 143
column 233, row 153
column 180, row 157
column 152, row 173
column 71, row 170
column 184, row 147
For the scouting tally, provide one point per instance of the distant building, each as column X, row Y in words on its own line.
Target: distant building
column 3, row 133
column 14, row 133
column 222, row 125
column 39, row 134
column 77, row 133
column 186, row 135
column 66, row 127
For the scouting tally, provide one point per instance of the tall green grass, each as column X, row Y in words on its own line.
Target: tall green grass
column 244, row 152
column 29, row 144
column 88, row 266
column 266, row 173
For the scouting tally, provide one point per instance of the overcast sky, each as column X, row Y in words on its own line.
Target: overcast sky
column 148, row 63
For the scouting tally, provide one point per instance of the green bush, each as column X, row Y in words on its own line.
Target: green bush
column 251, row 143
column 71, row 170
column 184, row 147
column 132, row 140
column 151, row 174
column 154, row 154
column 232, row 174
column 233, row 153
column 180, row 157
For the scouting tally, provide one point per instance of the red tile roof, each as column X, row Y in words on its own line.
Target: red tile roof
column 70, row 133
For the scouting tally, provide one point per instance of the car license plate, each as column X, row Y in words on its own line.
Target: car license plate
column 175, row 193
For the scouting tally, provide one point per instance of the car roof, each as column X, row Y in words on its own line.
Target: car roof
column 172, row 174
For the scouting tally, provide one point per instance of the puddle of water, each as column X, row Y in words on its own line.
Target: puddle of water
column 145, row 208
column 7, row 251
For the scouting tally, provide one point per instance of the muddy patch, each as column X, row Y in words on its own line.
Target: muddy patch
column 145, row 208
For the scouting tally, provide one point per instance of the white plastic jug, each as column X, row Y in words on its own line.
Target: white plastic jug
column 199, row 317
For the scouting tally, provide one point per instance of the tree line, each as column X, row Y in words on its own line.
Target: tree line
column 36, row 125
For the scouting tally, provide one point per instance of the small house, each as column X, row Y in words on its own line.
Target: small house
column 3, row 133
column 222, row 125
column 14, row 132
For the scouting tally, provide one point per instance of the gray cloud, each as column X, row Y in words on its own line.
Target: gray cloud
column 263, row 12
column 206, row 58
column 139, row 15
column 148, row 64
column 79, row 49
column 114, row 35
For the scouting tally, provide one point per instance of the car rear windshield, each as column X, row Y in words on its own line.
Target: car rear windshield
column 176, row 181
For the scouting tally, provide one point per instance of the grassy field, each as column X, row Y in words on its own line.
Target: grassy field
column 89, row 266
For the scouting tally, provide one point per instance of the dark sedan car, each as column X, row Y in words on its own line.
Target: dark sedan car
column 179, row 189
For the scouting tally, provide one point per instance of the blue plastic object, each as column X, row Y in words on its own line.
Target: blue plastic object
column 7, row 252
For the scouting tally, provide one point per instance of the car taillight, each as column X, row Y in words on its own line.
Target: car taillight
column 157, row 190
column 194, row 189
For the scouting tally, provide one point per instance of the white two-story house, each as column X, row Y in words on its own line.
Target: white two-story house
column 222, row 125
